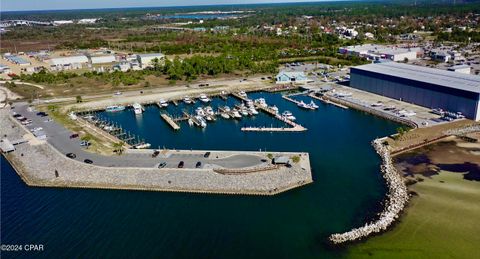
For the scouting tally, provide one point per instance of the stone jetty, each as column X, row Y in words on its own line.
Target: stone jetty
column 397, row 198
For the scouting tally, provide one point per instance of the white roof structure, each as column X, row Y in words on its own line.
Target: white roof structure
column 466, row 82
column 68, row 60
column 102, row 59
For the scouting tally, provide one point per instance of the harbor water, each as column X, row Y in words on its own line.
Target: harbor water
column 347, row 191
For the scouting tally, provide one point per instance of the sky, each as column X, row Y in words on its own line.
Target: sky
column 25, row 5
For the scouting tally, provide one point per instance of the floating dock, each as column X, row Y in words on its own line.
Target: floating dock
column 328, row 101
column 296, row 102
column 170, row 121
column 297, row 128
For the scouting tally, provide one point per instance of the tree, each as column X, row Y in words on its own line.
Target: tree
column 118, row 147
column 79, row 99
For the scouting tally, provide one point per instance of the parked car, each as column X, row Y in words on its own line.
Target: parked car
column 155, row 153
column 85, row 143
column 71, row 155
column 181, row 164
column 198, row 165
column 206, row 155
column 74, row 135
column 42, row 114
column 88, row 161
column 162, row 165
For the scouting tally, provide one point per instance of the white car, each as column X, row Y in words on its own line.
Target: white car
column 36, row 129
column 118, row 93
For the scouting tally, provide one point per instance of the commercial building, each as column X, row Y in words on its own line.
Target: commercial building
column 71, row 62
column 378, row 52
column 146, row 60
column 102, row 59
column 286, row 77
column 428, row 87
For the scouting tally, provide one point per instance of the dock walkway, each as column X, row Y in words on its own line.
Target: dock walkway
column 170, row 121
column 328, row 101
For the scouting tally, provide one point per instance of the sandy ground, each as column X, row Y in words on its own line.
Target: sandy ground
column 5, row 94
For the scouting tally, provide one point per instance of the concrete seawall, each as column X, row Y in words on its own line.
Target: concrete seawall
column 37, row 163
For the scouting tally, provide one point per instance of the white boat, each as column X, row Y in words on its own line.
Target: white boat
column 288, row 115
column 200, row 112
column 303, row 105
column 261, row 102
column 208, row 118
column 204, row 98
column 253, row 110
column 250, row 103
column 224, row 115
column 226, row 108
column 163, row 103
column 313, row 105
column 202, row 121
column 143, row 146
column 190, row 122
column 137, row 108
column 209, row 111
column 244, row 112
column 377, row 104
column 236, row 114
column 242, row 94
column 115, row 108
column 187, row 100
column 274, row 108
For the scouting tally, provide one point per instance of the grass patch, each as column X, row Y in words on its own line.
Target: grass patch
column 441, row 222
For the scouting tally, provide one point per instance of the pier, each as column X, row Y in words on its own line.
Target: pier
column 296, row 128
column 287, row 97
column 170, row 121
column 327, row 101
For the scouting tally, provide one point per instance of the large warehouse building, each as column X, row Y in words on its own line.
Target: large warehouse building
column 428, row 87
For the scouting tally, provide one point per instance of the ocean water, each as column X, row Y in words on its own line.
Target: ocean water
column 347, row 190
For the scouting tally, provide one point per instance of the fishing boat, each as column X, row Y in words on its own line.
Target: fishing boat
column 163, row 103
column 137, row 108
column 115, row 108
column 187, row 100
column 204, row 98
column 288, row 115
column 242, row 94
column 313, row 105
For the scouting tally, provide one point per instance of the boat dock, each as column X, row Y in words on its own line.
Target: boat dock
column 170, row 121
column 296, row 102
column 297, row 128
column 328, row 101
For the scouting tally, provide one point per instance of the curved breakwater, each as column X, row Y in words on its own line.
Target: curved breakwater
column 396, row 199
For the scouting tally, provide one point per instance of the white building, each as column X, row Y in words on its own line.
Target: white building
column 377, row 52
column 102, row 59
column 62, row 22
column 287, row 77
column 71, row 62
column 87, row 21
column 146, row 60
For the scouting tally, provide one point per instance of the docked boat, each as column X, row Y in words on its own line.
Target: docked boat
column 226, row 109
column 274, row 108
column 244, row 111
column 137, row 108
column 204, row 98
column 303, row 105
column 242, row 94
column 209, row 111
column 249, row 103
column 187, row 100
column 190, row 122
column 115, row 108
column 143, row 146
column 313, row 105
column 253, row 110
column 200, row 112
column 202, row 121
column 224, row 115
column 163, row 103
column 288, row 115
column 236, row 114
column 261, row 102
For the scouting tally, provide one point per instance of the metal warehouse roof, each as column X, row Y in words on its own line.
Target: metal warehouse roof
column 69, row 60
column 444, row 78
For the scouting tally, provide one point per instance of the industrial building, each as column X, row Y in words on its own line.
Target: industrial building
column 146, row 60
column 287, row 77
column 378, row 52
column 102, row 59
column 71, row 62
column 428, row 87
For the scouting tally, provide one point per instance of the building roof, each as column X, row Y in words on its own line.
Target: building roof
column 291, row 74
column 69, row 60
column 466, row 82
column 151, row 55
